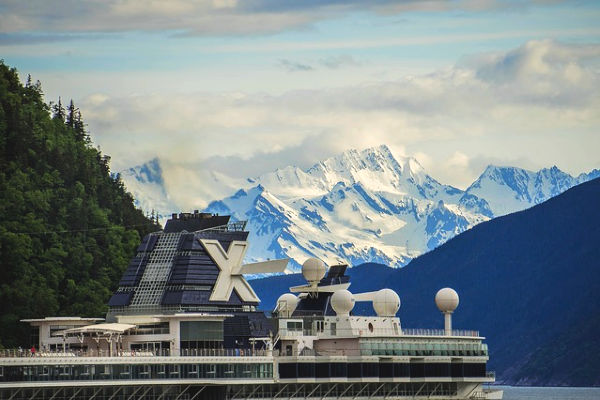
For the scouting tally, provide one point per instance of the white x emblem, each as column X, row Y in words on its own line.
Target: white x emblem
column 230, row 277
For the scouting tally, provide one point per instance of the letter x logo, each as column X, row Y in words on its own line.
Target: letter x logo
column 230, row 275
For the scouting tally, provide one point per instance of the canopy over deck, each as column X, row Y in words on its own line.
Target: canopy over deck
column 97, row 329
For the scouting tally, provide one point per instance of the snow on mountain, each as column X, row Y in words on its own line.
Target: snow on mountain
column 510, row 189
column 160, row 189
column 584, row 177
column 355, row 207
column 147, row 185
column 358, row 206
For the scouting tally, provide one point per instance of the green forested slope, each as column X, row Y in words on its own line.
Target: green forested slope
column 67, row 227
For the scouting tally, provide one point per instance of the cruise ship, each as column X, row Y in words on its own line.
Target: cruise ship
column 184, row 323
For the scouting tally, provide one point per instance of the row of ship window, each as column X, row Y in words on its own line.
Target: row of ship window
column 134, row 371
column 381, row 370
column 423, row 349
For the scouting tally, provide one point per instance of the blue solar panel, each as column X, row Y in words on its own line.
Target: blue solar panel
column 225, row 238
column 196, row 269
column 196, row 298
column 189, row 242
column 120, row 299
column 134, row 271
column 186, row 297
column 148, row 243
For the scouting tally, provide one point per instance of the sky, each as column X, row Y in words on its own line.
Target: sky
column 245, row 87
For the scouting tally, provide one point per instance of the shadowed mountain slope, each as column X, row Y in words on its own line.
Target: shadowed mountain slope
column 528, row 281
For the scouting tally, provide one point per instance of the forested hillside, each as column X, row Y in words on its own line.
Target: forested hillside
column 67, row 227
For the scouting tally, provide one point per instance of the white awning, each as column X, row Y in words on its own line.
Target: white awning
column 99, row 329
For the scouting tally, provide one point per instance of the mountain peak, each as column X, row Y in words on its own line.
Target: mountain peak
column 149, row 172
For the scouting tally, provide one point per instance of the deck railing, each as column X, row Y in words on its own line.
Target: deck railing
column 22, row 353
column 439, row 332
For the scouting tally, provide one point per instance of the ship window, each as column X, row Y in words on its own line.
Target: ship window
column 370, row 327
column 201, row 330
column 105, row 371
column 58, row 328
column 333, row 329
column 151, row 329
column 193, row 370
column 34, row 337
column 145, row 371
column 319, row 326
column 294, row 326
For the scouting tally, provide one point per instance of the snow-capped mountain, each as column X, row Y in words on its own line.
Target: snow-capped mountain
column 147, row 185
column 510, row 189
column 357, row 206
column 362, row 206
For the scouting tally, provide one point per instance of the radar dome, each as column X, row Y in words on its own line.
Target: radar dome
column 286, row 304
column 342, row 302
column 386, row 303
column 313, row 270
column 446, row 300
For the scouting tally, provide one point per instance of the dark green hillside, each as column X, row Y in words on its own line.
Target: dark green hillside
column 67, row 227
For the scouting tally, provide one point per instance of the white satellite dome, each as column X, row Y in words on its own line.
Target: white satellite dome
column 313, row 270
column 386, row 303
column 446, row 300
column 342, row 302
column 286, row 304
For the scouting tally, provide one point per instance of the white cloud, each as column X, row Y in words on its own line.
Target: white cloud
column 538, row 103
column 201, row 17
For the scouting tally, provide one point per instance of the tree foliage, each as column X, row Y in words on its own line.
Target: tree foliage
column 68, row 227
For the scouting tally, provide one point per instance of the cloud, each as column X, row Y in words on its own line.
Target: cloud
column 330, row 62
column 293, row 66
column 16, row 39
column 533, row 108
column 202, row 17
column 335, row 62
column 543, row 71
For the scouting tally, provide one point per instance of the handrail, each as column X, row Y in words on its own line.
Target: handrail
column 22, row 353
column 439, row 332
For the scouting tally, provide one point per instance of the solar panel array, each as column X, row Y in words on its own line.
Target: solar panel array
column 173, row 271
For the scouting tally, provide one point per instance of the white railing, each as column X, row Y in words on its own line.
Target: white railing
column 21, row 353
column 439, row 332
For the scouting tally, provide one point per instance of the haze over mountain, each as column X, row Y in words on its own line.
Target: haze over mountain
column 528, row 281
column 359, row 206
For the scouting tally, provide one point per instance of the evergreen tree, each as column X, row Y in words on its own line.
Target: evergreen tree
column 71, row 112
column 59, row 111
column 67, row 226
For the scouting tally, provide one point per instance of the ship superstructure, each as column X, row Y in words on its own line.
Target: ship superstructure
column 184, row 324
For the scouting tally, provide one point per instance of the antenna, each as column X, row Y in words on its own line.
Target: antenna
column 447, row 300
